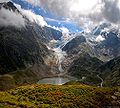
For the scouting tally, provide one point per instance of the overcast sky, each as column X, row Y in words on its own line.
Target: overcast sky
column 1, row 1
column 83, row 10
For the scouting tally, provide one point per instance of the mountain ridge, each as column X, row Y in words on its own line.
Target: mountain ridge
column 24, row 56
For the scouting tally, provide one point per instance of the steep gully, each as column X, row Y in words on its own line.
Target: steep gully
column 60, row 56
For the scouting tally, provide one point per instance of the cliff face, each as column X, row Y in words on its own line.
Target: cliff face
column 110, row 72
column 85, row 69
column 19, row 48
column 102, row 45
column 46, row 33
column 23, row 51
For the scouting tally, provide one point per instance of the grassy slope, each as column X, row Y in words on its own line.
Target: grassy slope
column 65, row 96
column 86, row 66
column 110, row 72
column 23, row 77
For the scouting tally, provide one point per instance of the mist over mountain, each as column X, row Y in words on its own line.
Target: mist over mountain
column 23, row 47
column 59, row 53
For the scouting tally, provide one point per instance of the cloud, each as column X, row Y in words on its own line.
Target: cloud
column 10, row 18
column 32, row 16
column 64, row 30
column 100, row 38
column 55, row 6
column 67, row 20
column 35, row 2
column 83, row 11
column 56, row 28
column 111, row 10
column 1, row 1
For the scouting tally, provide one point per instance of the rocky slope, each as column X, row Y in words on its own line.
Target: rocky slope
column 109, row 48
column 102, row 42
column 91, row 70
column 85, row 69
column 88, row 56
column 25, row 59
column 24, row 56
column 110, row 72
column 73, row 45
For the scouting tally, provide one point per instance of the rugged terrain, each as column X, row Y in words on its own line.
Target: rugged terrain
column 24, row 56
column 94, row 57
column 34, row 52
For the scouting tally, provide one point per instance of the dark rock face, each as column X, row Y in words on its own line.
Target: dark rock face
column 9, row 6
column 19, row 48
column 104, row 50
column 85, row 67
column 110, row 47
column 81, row 65
column 46, row 33
column 111, row 39
column 97, row 30
column 74, row 43
column 23, row 47
column 53, row 34
column 23, row 51
column 110, row 72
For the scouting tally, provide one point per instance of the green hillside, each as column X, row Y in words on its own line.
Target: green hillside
column 65, row 96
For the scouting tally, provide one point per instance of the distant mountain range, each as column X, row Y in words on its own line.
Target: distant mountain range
column 26, row 54
column 102, row 42
column 31, row 50
column 89, row 57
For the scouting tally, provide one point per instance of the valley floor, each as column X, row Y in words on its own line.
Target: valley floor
column 70, row 95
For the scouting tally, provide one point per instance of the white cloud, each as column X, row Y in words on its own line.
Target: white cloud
column 32, row 16
column 100, row 38
column 67, row 20
column 82, row 6
column 64, row 30
column 1, row 1
column 10, row 18
column 56, row 28
column 35, row 2
column 87, row 10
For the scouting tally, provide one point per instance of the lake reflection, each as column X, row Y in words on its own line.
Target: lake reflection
column 54, row 80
